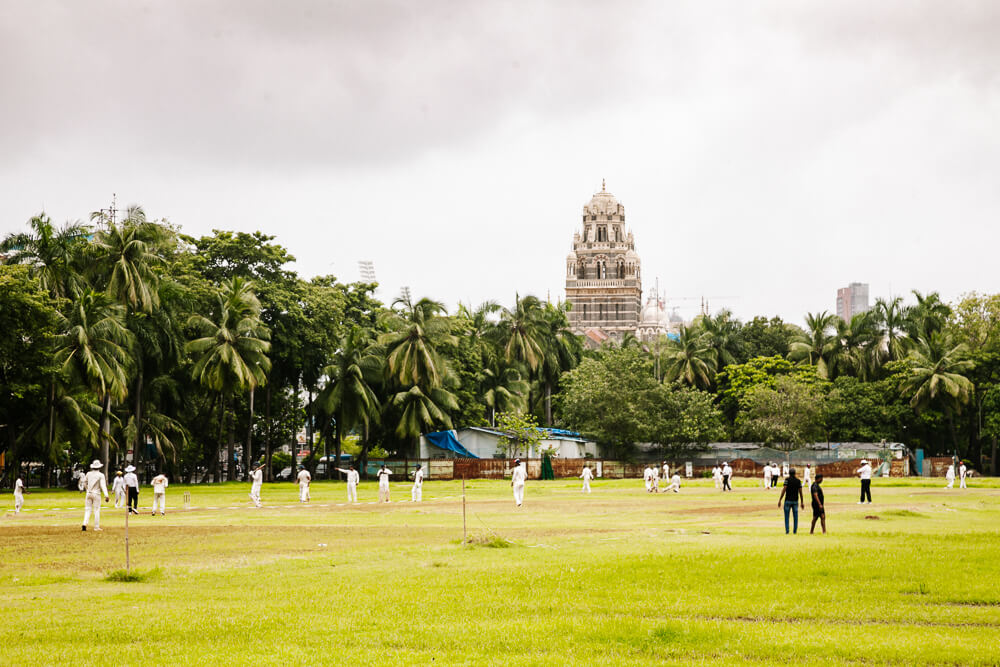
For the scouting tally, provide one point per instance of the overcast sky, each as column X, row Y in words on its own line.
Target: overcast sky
column 766, row 153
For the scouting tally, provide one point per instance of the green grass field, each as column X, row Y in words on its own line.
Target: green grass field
column 617, row 577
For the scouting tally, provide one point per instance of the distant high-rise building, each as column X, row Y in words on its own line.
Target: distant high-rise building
column 852, row 300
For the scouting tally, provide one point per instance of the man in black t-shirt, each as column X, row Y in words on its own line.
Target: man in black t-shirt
column 792, row 494
column 819, row 508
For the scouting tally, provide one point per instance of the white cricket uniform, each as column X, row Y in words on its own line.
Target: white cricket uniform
column 417, row 492
column 383, row 484
column 666, row 471
column 95, row 486
column 118, row 488
column 18, row 495
column 807, row 476
column 304, row 478
column 587, row 475
column 353, row 477
column 675, row 483
column 950, row 476
column 655, row 474
column 961, row 475
column 517, row 478
column 257, row 480
column 767, row 477
column 717, row 476
column 647, row 476
column 160, row 493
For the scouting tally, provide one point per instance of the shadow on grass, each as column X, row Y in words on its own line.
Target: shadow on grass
column 489, row 541
column 132, row 576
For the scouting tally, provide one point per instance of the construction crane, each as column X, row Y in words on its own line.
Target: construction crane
column 704, row 300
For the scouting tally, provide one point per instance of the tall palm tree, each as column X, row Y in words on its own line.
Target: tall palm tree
column 52, row 253
column 127, row 257
column 348, row 394
column 723, row 335
column 521, row 331
column 690, row 359
column 937, row 377
column 422, row 410
column 817, row 344
column 928, row 316
column 412, row 356
column 231, row 354
column 93, row 352
column 561, row 351
column 503, row 390
column 891, row 318
column 856, row 349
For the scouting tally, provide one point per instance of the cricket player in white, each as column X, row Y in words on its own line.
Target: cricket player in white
column 727, row 474
column 666, row 470
column 656, row 478
column 383, row 484
column 352, row 483
column 647, row 477
column 675, row 483
column 950, row 476
column 806, row 476
column 517, row 478
column 717, row 476
column 304, row 479
column 417, row 492
column 131, row 489
column 961, row 476
column 94, row 485
column 18, row 495
column 256, row 481
column 118, row 488
column 865, row 472
column 160, row 493
column 586, row 475
column 767, row 476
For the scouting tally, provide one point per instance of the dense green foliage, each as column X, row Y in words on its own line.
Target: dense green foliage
column 193, row 354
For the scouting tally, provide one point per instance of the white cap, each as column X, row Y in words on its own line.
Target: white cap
column 130, row 469
column 96, row 464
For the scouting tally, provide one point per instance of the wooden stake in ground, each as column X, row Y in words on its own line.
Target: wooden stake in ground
column 463, row 511
column 127, row 512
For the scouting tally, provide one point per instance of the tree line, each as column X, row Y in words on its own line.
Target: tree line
column 126, row 335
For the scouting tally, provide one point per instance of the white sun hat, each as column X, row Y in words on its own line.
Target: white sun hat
column 96, row 464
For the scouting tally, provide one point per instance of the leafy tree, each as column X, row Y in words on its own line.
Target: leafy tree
column 767, row 338
column 975, row 321
column 29, row 322
column 723, row 334
column 789, row 414
column 890, row 318
column 520, row 436
column 928, row 317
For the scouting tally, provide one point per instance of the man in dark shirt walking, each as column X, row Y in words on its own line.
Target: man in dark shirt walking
column 791, row 492
column 819, row 509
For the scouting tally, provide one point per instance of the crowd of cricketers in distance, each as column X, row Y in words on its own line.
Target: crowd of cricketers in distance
column 125, row 487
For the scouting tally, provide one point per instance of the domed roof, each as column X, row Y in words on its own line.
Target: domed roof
column 653, row 313
column 603, row 203
column 571, row 256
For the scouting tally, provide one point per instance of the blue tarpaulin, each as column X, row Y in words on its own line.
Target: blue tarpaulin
column 449, row 440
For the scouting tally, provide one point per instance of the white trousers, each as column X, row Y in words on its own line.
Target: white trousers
column 951, row 483
column 352, row 493
column 119, row 498
column 383, row 493
column 767, row 482
column 161, row 500
column 586, row 486
column 519, row 494
column 417, row 493
column 962, row 485
column 673, row 487
column 303, row 493
column 18, row 502
column 92, row 504
column 255, row 494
